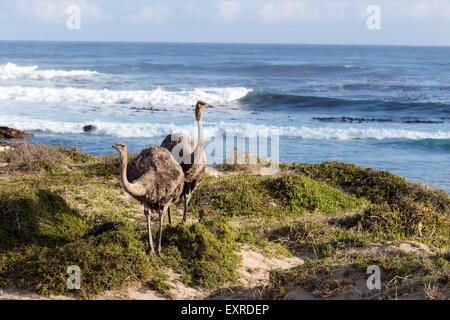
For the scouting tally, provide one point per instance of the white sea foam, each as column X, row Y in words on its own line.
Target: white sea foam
column 10, row 71
column 157, row 96
column 150, row 130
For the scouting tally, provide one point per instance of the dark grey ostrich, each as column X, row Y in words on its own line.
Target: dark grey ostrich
column 194, row 170
column 155, row 179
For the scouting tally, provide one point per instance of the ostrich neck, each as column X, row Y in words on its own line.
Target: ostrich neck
column 200, row 132
column 131, row 188
column 200, row 149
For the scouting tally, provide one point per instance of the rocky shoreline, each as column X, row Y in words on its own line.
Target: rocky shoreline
column 11, row 133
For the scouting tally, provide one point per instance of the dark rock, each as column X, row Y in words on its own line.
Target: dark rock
column 89, row 128
column 10, row 133
column 422, row 121
column 4, row 144
column 351, row 119
column 140, row 109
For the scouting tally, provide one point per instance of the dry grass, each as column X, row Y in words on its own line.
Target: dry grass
column 33, row 157
column 241, row 161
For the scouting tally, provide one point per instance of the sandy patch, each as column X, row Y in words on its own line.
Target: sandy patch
column 134, row 292
column 256, row 266
column 12, row 293
column 213, row 172
column 390, row 249
column 254, row 274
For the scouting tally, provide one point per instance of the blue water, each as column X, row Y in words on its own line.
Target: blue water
column 398, row 97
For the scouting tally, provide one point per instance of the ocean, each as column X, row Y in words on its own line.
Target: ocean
column 384, row 107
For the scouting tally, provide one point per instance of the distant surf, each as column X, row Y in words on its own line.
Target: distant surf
column 10, row 71
column 157, row 97
column 149, row 130
column 286, row 101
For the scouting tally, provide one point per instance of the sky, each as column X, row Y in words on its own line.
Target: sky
column 401, row 22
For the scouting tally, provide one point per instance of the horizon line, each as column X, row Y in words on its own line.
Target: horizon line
column 232, row 43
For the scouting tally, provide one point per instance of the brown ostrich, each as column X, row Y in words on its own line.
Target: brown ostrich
column 194, row 170
column 155, row 179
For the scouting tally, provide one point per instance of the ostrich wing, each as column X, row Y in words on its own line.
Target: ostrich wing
column 158, row 172
column 173, row 140
column 193, row 172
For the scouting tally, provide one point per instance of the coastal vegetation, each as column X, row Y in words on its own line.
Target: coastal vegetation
column 60, row 207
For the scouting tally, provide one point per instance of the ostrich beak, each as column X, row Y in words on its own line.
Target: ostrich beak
column 210, row 106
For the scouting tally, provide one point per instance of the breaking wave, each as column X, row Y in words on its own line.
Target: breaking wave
column 148, row 130
column 10, row 71
column 157, row 96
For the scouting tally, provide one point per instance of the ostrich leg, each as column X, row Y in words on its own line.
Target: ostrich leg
column 150, row 239
column 168, row 213
column 187, row 198
column 161, row 218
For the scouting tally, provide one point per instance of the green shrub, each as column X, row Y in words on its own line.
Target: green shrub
column 236, row 195
column 203, row 253
column 106, row 262
column 40, row 236
column 106, row 167
column 37, row 216
column 301, row 193
column 399, row 208
column 377, row 186
column 76, row 156
column 249, row 195
column 318, row 238
column 414, row 220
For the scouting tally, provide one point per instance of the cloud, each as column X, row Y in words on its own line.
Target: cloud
column 298, row 11
column 228, row 10
column 336, row 9
column 190, row 6
column 55, row 11
column 148, row 15
column 430, row 9
column 419, row 10
column 288, row 12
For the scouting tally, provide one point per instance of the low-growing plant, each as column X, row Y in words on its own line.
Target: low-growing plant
column 76, row 156
column 33, row 157
column 301, row 193
column 237, row 195
column 399, row 208
column 203, row 253
column 314, row 276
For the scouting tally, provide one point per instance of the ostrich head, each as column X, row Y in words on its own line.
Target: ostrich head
column 121, row 147
column 199, row 108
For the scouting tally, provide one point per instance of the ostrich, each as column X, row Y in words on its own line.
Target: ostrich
column 155, row 179
column 194, row 170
